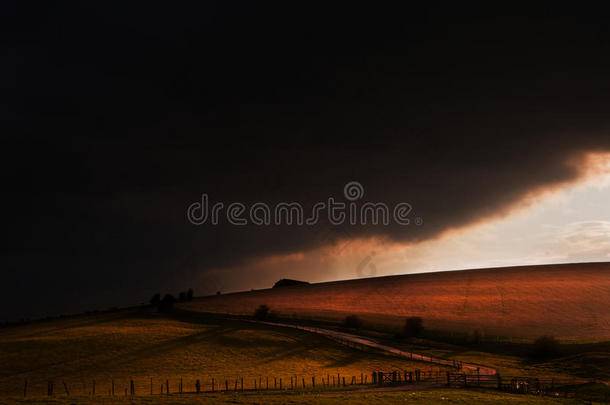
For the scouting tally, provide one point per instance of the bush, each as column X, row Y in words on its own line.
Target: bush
column 477, row 337
column 352, row 322
column 262, row 312
column 167, row 303
column 155, row 300
column 414, row 326
column 545, row 347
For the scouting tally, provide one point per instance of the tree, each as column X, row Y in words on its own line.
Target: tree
column 477, row 337
column 167, row 303
column 545, row 347
column 189, row 294
column 182, row 296
column 155, row 299
column 262, row 312
column 414, row 326
column 353, row 322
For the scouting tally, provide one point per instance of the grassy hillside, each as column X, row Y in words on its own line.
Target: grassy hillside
column 429, row 397
column 143, row 345
column 569, row 301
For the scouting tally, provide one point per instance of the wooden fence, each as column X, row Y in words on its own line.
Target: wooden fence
column 431, row 378
column 156, row 386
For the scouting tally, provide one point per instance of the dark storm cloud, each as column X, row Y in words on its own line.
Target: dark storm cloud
column 118, row 117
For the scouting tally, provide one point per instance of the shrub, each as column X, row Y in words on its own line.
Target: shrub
column 167, row 303
column 414, row 326
column 353, row 322
column 155, row 299
column 262, row 312
column 545, row 347
column 477, row 337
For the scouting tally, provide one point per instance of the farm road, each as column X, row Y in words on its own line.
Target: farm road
column 370, row 342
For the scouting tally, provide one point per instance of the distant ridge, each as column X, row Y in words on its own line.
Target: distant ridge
column 569, row 301
column 286, row 282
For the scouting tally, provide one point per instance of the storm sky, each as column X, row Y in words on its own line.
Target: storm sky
column 117, row 117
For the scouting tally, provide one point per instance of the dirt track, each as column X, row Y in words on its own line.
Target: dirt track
column 369, row 342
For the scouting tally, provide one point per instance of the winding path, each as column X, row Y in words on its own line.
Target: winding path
column 369, row 342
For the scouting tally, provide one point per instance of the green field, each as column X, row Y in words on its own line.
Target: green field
column 142, row 345
column 155, row 349
column 432, row 397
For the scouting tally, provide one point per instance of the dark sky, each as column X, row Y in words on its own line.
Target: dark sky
column 117, row 116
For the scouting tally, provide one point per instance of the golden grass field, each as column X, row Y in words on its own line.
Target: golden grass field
column 189, row 343
column 428, row 397
column 569, row 301
column 141, row 345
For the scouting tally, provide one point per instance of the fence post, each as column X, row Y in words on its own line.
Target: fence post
column 242, row 384
column 25, row 388
column 280, row 383
column 180, row 388
column 66, row 388
column 167, row 387
column 212, row 384
column 303, row 382
column 93, row 391
column 274, row 383
column 198, row 386
column 226, row 385
column 313, row 382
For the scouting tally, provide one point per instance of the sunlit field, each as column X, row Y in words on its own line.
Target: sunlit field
column 142, row 345
column 432, row 397
column 570, row 302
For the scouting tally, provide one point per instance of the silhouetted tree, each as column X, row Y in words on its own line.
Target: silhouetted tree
column 352, row 321
column 182, row 296
column 262, row 312
column 155, row 300
column 167, row 303
column 189, row 294
column 545, row 347
column 414, row 326
column 477, row 337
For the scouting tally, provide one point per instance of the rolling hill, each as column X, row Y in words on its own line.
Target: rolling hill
column 569, row 301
